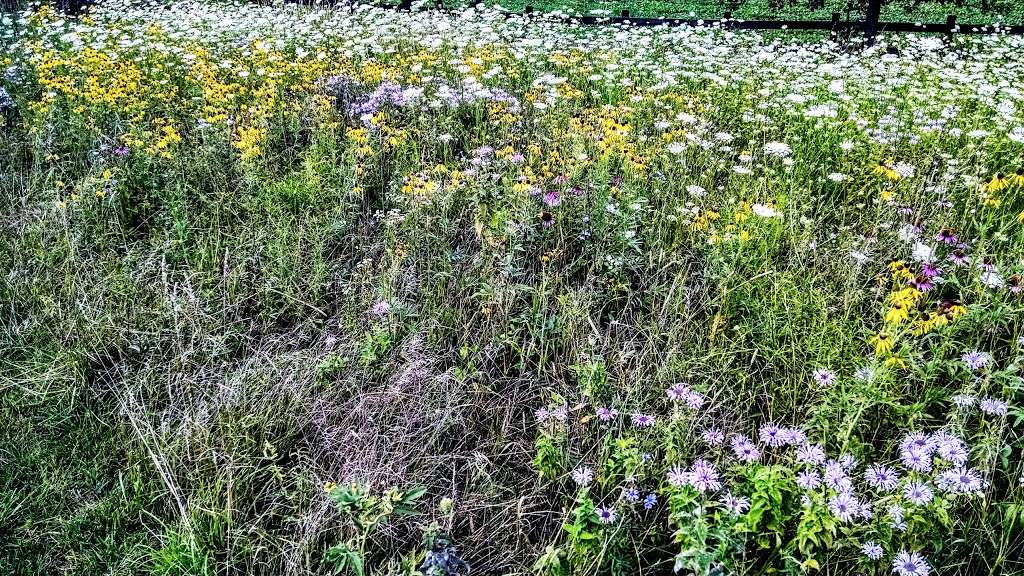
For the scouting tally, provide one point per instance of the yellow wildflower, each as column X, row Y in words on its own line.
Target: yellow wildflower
column 883, row 343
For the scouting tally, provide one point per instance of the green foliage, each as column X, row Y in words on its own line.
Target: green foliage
column 771, row 492
column 367, row 512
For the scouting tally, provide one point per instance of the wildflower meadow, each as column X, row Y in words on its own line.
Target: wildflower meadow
column 294, row 290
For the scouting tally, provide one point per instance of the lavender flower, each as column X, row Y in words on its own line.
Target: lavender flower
column 552, row 198
column 677, row 391
column 866, row 511
column 792, row 436
column 976, row 359
column 960, row 480
column 910, row 564
column 964, row 400
column 881, row 477
column 836, row 477
column 380, row 308
column 694, row 400
column 772, row 435
column 735, row 505
column 872, row 550
column 808, row 480
column 678, row 477
column 631, row 494
column 606, row 515
column 918, row 493
column 918, row 441
column 810, row 454
column 643, row 420
column 844, row 506
column 704, row 476
column 746, row 451
column 824, row 377
column 541, row 414
column 583, row 476
column 713, row 436
column 560, row 413
column 951, row 448
column 918, row 460
column 606, row 414
column 896, row 517
column 993, row 407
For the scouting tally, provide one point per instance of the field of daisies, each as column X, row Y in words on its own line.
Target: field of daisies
column 294, row 291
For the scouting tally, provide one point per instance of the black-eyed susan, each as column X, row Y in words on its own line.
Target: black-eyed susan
column 1017, row 179
column 897, row 314
column 883, row 343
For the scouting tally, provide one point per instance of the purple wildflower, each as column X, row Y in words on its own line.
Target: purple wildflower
column 380, row 308
column 736, row 505
column 951, row 448
column 541, row 414
column 947, row 237
column 583, row 476
column 964, row 400
column 649, row 501
column 824, row 377
column 922, row 283
column 631, row 494
column 910, row 564
column 746, row 451
column 844, row 506
column 810, row 454
column 792, row 436
column 808, row 479
column 606, row 515
column 772, row 435
column 704, row 476
column 918, row 441
column 918, row 460
column 694, row 400
column 605, row 414
column 678, row 477
column 836, row 477
column 677, row 391
column 960, row 480
column 881, row 477
column 896, row 517
column 560, row 413
column 643, row 420
column 918, row 493
column 713, row 436
column 993, row 407
column 866, row 511
column 872, row 550
column 553, row 198
column 976, row 359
